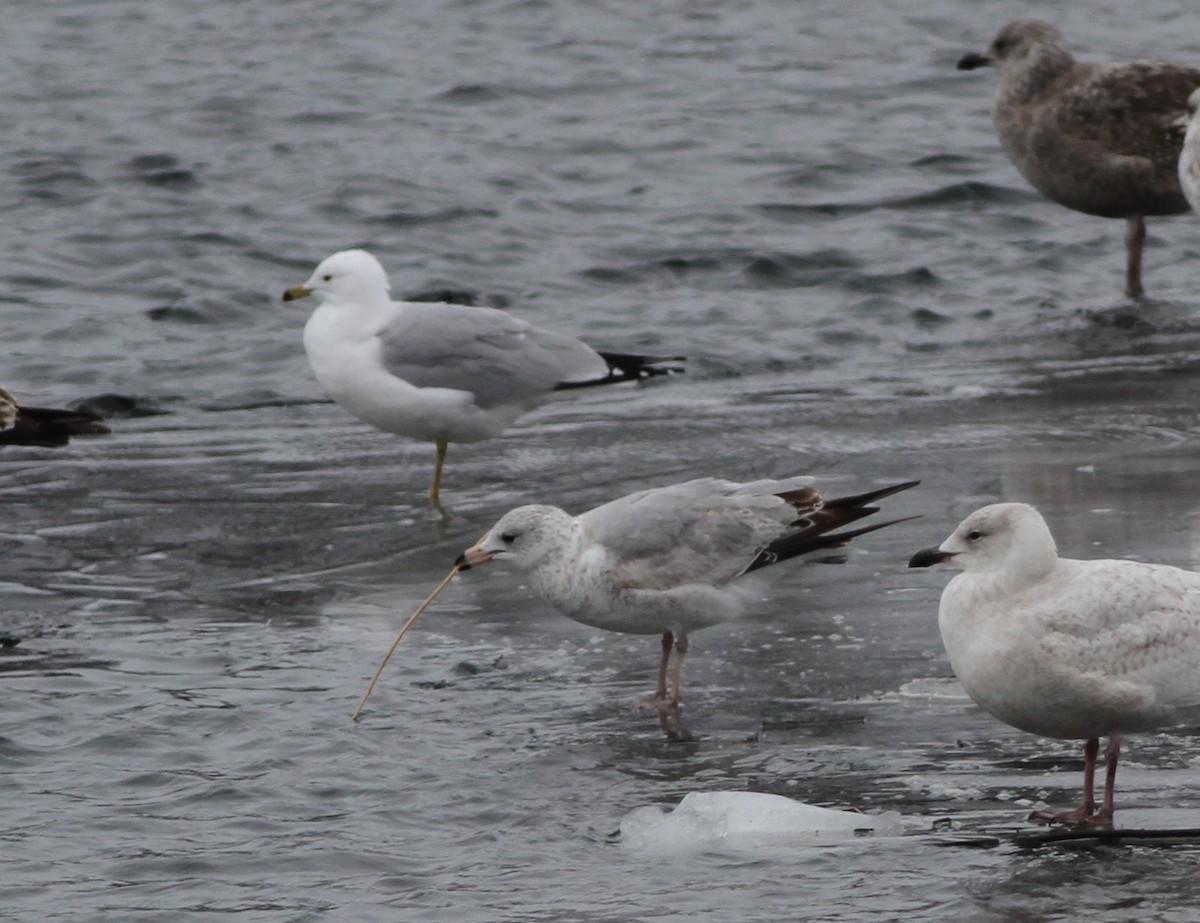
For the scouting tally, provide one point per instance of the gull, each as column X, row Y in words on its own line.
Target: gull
column 667, row 560
column 1188, row 128
column 1075, row 650
column 43, row 426
column 1093, row 137
column 440, row 373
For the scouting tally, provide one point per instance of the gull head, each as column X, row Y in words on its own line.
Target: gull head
column 1002, row 536
column 1026, row 44
column 527, row 536
column 352, row 276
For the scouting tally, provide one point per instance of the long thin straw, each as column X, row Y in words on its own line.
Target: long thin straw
column 400, row 634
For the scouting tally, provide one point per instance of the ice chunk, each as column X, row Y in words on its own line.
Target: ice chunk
column 747, row 820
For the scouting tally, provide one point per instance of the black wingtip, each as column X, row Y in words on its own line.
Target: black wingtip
column 837, row 539
column 813, row 538
column 624, row 367
column 839, row 503
column 631, row 365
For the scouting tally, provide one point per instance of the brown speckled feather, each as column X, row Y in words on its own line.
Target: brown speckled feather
column 1094, row 137
column 1109, row 127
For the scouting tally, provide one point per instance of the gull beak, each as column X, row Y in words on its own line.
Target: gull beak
column 927, row 557
column 475, row 555
column 972, row 60
column 296, row 292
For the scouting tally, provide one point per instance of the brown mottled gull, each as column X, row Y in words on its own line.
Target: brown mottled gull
column 43, row 426
column 668, row 560
column 1064, row 648
column 1093, row 137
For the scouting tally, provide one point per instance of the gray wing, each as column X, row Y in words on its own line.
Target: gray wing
column 706, row 531
column 498, row 358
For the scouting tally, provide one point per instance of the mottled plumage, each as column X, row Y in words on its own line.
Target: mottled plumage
column 1067, row 648
column 1091, row 136
column 665, row 560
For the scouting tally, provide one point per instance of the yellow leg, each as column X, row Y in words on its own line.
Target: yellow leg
column 436, row 489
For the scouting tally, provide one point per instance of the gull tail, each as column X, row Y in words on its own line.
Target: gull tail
column 42, row 426
column 629, row 367
column 818, row 518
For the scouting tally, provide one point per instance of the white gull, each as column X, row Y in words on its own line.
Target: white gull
column 666, row 560
column 440, row 373
column 1075, row 650
column 1188, row 126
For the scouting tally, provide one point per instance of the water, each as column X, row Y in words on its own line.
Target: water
column 809, row 203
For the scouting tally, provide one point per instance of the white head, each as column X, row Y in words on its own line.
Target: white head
column 1000, row 537
column 353, row 276
column 526, row 536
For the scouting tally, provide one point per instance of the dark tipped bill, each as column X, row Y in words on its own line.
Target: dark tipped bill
column 927, row 557
column 473, row 557
column 296, row 292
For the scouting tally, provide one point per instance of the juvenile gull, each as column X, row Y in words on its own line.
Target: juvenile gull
column 440, row 373
column 1093, row 137
column 1064, row 648
column 1188, row 127
column 666, row 560
column 41, row 426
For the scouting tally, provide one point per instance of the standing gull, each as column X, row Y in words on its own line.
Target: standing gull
column 1093, row 137
column 42, row 426
column 666, row 560
column 441, row 373
column 1076, row 650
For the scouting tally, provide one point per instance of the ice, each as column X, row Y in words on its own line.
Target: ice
column 741, row 821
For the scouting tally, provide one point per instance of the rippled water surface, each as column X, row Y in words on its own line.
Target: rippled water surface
column 807, row 201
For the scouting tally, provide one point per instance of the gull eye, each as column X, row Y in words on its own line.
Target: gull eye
column 508, row 537
column 327, row 277
column 974, row 535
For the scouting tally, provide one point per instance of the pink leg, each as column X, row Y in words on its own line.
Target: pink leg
column 670, row 715
column 660, row 700
column 668, row 640
column 1085, row 815
column 681, row 649
column 668, row 706
column 1135, row 239
column 1111, row 755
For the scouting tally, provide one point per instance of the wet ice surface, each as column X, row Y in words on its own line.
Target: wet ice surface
column 869, row 293
column 747, row 822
